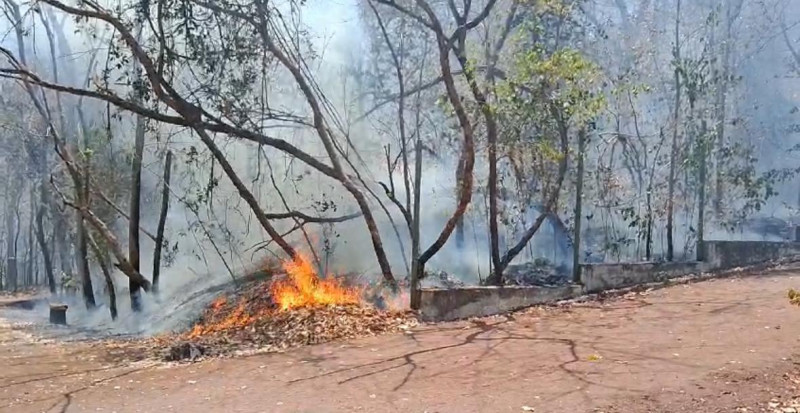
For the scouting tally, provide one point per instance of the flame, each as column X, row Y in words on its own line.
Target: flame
column 304, row 288
column 219, row 303
column 238, row 318
column 301, row 288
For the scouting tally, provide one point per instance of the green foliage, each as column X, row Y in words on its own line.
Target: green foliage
column 565, row 80
column 559, row 8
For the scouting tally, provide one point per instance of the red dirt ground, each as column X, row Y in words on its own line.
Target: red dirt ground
column 724, row 345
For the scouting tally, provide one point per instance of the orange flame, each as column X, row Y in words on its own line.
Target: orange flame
column 219, row 303
column 304, row 288
column 238, row 318
column 301, row 288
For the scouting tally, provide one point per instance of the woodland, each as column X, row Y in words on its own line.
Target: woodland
column 148, row 146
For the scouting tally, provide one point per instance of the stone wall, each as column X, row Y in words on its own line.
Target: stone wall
column 602, row 277
column 723, row 255
column 438, row 304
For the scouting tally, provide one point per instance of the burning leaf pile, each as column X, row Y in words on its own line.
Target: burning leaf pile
column 299, row 310
column 304, row 288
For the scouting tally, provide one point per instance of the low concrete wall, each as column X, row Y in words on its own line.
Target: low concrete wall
column 450, row 304
column 723, row 255
column 602, row 277
column 438, row 304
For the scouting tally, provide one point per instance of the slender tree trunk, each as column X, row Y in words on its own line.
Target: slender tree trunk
column 494, row 211
column 721, row 106
column 11, row 245
column 650, row 179
column 674, row 152
column 2, row 286
column 648, row 249
column 48, row 264
column 134, row 213
column 576, row 249
column 703, row 154
column 102, row 261
column 61, row 244
column 83, row 259
column 162, row 220
column 11, row 273
column 460, row 225
column 417, row 267
column 30, row 278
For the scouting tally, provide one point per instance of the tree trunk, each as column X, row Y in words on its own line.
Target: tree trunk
column 162, row 220
column 674, row 152
column 576, row 248
column 134, row 213
column 101, row 260
column 60, row 243
column 649, row 232
column 48, row 265
column 494, row 211
column 83, row 259
column 11, row 245
column 30, row 277
column 83, row 196
column 703, row 154
column 417, row 268
column 732, row 11
column 460, row 225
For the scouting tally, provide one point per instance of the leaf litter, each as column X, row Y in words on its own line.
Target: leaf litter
column 250, row 321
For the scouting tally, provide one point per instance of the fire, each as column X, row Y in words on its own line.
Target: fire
column 304, row 288
column 219, row 303
column 238, row 318
column 301, row 288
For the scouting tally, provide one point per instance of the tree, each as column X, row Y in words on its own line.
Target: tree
column 162, row 220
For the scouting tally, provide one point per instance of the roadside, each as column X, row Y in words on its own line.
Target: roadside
column 717, row 346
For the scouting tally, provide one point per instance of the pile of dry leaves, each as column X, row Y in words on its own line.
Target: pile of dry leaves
column 251, row 320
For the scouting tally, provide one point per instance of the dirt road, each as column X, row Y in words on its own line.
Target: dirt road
column 715, row 346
